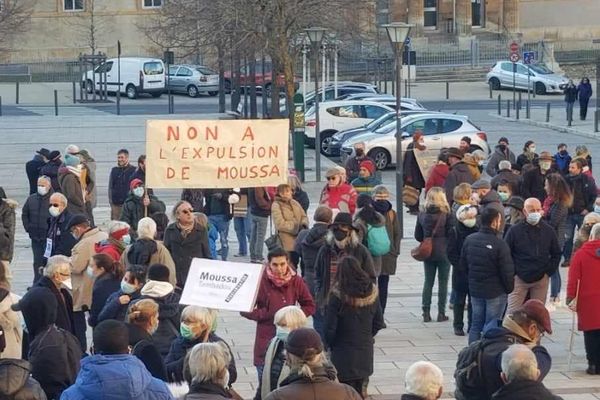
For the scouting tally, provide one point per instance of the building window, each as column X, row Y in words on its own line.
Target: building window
column 430, row 13
column 73, row 5
column 1, row 5
column 152, row 3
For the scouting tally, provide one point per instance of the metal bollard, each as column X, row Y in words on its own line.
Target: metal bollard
column 491, row 95
column 447, row 90
column 518, row 111
column 0, row 106
column 596, row 120
column 74, row 93
column 520, row 100
column 56, row 102
column 527, row 110
column 405, row 88
column 570, row 118
column 499, row 104
column 17, row 92
column 172, row 104
column 547, row 112
column 508, row 108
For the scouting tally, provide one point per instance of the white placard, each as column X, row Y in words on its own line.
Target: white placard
column 222, row 285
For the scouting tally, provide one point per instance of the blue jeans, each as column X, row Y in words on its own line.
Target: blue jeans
column 555, row 284
column 258, row 231
column 221, row 222
column 574, row 221
column 242, row 231
column 485, row 311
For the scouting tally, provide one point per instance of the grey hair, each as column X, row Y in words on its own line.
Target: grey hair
column 380, row 190
column 504, row 164
column 62, row 197
column 595, row 233
column 146, row 228
column 207, row 361
column 204, row 315
column 519, row 363
column 424, row 379
column 291, row 317
column 114, row 226
column 305, row 367
column 56, row 264
column 46, row 179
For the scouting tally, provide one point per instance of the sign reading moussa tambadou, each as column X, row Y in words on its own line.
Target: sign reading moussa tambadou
column 222, row 285
column 216, row 153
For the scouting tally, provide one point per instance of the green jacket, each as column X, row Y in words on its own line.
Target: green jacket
column 133, row 209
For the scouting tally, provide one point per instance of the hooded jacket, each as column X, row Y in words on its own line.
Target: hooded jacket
column 35, row 215
column 115, row 376
column 288, row 218
column 496, row 157
column 7, row 228
column 80, row 258
column 134, row 209
column 184, row 249
column 459, row 173
column 585, row 270
column 15, row 382
column 524, row 390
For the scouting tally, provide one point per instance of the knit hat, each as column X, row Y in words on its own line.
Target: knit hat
column 503, row 140
column 304, row 343
column 466, row 139
column 135, row 183
column 77, row 219
column 368, row 165
column 455, row 152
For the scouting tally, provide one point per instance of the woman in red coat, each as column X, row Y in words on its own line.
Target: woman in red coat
column 438, row 173
column 585, row 273
column 280, row 286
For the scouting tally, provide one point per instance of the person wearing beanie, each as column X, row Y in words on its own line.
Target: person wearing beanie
column 366, row 180
column 139, row 203
column 352, row 165
column 50, row 169
column 465, row 145
column 309, row 373
column 337, row 194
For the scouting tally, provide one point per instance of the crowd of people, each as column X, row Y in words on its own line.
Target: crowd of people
column 499, row 231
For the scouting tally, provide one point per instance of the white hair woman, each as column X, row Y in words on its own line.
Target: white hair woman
column 210, row 377
column 197, row 326
column 147, row 251
column 275, row 371
column 424, row 380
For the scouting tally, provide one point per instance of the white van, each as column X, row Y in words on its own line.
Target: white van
column 138, row 75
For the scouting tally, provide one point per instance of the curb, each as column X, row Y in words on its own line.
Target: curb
column 558, row 128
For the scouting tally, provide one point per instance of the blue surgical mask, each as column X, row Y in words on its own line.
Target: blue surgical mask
column 126, row 240
column 534, row 218
column 282, row 333
column 186, row 331
column 503, row 196
column 71, row 160
column 138, row 191
column 127, row 288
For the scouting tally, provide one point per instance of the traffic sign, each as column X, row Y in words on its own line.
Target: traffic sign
column 407, row 41
column 529, row 57
column 514, row 47
column 514, row 57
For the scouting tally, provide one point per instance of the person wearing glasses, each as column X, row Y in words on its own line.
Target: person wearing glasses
column 185, row 239
column 337, row 194
column 58, row 238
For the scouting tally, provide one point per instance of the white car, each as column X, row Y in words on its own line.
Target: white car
column 138, row 75
column 440, row 130
column 335, row 116
column 541, row 79
column 193, row 80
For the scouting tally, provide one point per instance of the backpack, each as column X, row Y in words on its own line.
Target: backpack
column 469, row 375
column 378, row 240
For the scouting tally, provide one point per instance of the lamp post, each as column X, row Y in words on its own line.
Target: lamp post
column 316, row 37
column 397, row 33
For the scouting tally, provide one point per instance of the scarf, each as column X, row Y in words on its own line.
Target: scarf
column 75, row 170
column 185, row 230
column 548, row 202
column 515, row 328
column 280, row 281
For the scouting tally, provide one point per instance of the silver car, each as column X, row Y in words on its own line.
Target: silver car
column 541, row 79
column 193, row 80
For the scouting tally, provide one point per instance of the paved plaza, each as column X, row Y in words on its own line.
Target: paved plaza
column 406, row 339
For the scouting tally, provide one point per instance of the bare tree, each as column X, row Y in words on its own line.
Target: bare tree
column 15, row 16
column 89, row 25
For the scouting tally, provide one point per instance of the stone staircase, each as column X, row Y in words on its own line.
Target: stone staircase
column 451, row 74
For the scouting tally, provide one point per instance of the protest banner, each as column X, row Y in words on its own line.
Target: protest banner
column 222, row 285
column 216, row 153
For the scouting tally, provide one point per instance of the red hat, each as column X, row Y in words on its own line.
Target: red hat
column 368, row 165
column 118, row 235
column 536, row 310
column 135, row 183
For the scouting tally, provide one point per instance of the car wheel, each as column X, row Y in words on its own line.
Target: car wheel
column 131, row 91
column 213, row 94
column 227, row 86
column 495, row 82
column 89, row 86
column 381, row 158
column 326, row 138
column 540, row 88
column 192, row 91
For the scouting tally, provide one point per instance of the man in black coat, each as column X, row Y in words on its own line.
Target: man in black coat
column 219, row 213
column 58, row 239
column 535, row 251
column 118, row 183
column 34, row 166
column 533, row 180
column 35, row 217
column 505, row 173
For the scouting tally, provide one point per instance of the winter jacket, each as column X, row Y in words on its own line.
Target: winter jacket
column 176, row 359
column 527, row 158
column 269, row 300
column 70, row 186
column 62, row 240
column 533, row 184
column 80, row 258
column 64, row 308
column 115, row 376
column 459, row 173
column 389, row 261
column 570, row 94
column 32, row 168
column 184, row 249
column 534, row 249
column 259, row 202
column 35, row 215
column 562, row 162
column 412, row 171
column 118, row 184
column 276, row 369
column 134, row 209
column 15, row 382
column 507, row 175
column 50, row 169
column 55, row 357
column 141, row 254
column 426, row 222
column 456, row 239
column 195, row 197
column 302, row 198
column 486, row 261
column 524, row 390
column 584, row 91
column 288, row 218
column 350, row 326
column 496, row 157
column 557, row 219
column 310, row 245
column 323, row 385
column 206, row 391
column 437, row 176
column 113, row 309
column 353, row 166
column 323, row 278
column 365, row 185
column 7, row 228
column 217, row 202
column 143, row 347
column 104, row 286
column 110, row 247
column 342, row 197
column 584, row 271
column 584, row 193
column 491, row 200
column 10, row 321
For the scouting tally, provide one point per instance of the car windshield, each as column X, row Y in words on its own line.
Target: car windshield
column 541, row 69
column 376, row 123
column 153, row 68
column 206, row 71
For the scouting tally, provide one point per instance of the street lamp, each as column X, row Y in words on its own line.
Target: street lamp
column 398, row 32
column 316, row 37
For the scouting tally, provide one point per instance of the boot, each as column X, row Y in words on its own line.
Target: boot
column 442, row 317
column 426, row 315
column 591, row 369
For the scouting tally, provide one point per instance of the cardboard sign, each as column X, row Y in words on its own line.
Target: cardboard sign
column 222, row 285
column 216, row 154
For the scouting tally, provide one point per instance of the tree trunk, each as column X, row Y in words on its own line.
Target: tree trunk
column 221, row 62
column 274, row 86
column 252, row 66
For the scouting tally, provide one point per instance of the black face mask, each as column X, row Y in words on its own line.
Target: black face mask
column 502, row 147
column 339, row 234
column 360, row 152
column 562, row 152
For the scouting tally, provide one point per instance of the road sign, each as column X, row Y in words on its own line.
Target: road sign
column 407, row 41
column 529, row 57
column 514, row 47
column 514, row 57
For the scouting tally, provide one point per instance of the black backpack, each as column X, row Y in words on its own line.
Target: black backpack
column 469, row 376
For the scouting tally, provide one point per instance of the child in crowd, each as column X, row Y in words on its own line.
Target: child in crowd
column 213, row 234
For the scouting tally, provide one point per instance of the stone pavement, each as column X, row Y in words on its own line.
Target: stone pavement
column 406, row 340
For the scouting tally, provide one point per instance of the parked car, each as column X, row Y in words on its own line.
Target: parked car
column 344, row 88
column 261, row 77
column 440, row 130
column 193, row 80
column 138, row 75
column 541, row 78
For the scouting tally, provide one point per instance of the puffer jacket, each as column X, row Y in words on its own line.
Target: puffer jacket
column 322, row 385
column 288, row 218
column 426, row 222
column 7, row 229
column 557, row 219
column 16, row 382
column 134, row 210
column 184, row 249
column 35, row 215
column 459, row 173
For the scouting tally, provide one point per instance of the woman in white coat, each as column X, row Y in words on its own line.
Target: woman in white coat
column 10, row 321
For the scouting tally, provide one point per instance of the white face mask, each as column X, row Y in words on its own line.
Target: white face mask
column 469, row 223
column 534, row 218
column 54, row 211
column 89, row 272
column 532, row 149
column 597, row 208
column 545, row 165
column 42, row 190
column 68, row 284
